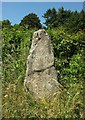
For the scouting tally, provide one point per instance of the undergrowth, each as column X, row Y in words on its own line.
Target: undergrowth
column 69, row 63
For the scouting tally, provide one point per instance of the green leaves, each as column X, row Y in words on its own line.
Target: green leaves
column 32, row 20
column 70, row 67
column 15, row 47
column 69, row 55
column 71, row 21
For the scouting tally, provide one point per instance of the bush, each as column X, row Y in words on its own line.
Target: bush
column 69, row 63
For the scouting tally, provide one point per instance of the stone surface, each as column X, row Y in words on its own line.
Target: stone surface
column 41, row 76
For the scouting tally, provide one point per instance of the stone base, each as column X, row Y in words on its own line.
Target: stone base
column 43, row 84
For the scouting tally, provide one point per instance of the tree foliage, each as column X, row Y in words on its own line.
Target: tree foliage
column 6, row 24
column 50, row 17
column 32, row 20
column 69, row 61
column 72, row 21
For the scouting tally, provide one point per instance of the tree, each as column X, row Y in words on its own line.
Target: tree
column 81, row 24
column 56, row 18
column 50, row 17
column 63, row 15
column 6, row 24
column 32, row 20
column 76, row 21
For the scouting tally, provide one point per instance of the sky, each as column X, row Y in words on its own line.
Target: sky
column 15, row 11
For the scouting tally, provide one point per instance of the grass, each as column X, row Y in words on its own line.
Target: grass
column 18, row 103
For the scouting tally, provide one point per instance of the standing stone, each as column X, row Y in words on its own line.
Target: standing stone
column 41, row 76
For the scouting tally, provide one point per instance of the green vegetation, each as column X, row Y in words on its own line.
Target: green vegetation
column 6, row 24
column 32, row 20
column 69, row 56
column 72, row 21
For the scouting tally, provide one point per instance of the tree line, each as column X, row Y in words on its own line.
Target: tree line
column 72, row 21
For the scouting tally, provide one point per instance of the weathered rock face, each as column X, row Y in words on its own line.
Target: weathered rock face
column 41, row 77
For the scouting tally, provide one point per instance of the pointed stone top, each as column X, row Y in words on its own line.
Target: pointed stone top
column 39, row 34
